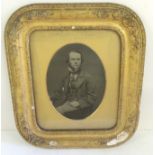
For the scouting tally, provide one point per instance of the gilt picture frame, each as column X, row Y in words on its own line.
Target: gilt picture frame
column 76, row 73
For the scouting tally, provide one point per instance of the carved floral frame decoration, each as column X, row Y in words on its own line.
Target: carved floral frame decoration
column 111, row 16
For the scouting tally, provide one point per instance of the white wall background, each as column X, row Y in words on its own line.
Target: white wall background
column 140, row 144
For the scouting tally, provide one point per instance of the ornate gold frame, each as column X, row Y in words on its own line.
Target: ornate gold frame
column 97, row 16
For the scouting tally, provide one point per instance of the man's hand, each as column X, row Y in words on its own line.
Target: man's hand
column 75, row 103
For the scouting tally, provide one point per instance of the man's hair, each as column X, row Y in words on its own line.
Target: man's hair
column 75, row 51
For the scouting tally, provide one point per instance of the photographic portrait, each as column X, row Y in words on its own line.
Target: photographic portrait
column 76, row 81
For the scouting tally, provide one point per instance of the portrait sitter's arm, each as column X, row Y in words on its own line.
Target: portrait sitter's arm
column 89, row 97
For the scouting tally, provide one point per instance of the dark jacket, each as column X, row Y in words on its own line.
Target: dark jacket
column 80, row 89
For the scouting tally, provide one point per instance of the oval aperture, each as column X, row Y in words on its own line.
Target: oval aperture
column 76, row 81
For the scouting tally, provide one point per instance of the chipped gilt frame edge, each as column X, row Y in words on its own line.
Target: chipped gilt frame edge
column 114, row 16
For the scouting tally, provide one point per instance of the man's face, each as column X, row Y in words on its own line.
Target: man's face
column 75, row 60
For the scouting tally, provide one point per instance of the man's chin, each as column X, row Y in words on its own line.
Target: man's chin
column 76, row 69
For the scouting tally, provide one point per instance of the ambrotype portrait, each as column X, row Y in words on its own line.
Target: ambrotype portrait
column 76, row 81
